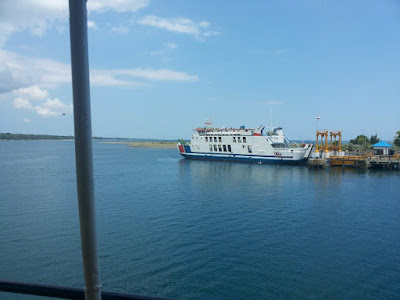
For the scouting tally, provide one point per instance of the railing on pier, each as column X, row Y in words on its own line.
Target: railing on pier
column 62, row 292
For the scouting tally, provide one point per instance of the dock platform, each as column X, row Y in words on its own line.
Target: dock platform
column 366, row 162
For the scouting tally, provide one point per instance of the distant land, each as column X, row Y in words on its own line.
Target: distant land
column 21, row 136
column 149, row 143
column 145, row 144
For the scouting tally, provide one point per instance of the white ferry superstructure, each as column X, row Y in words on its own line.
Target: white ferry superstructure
column 243, row 145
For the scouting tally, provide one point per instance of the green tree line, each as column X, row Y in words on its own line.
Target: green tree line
column 20, row 136
column 363, row 140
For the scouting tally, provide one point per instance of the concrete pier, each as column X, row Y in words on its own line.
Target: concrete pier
column 384, row 162
column 317, row 163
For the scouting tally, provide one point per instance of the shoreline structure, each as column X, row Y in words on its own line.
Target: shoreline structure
column 145, row 144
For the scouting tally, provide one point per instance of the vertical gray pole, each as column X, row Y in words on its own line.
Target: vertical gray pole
column 83, row 146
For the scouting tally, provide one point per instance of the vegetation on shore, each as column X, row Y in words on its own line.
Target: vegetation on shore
column 362, row 142
column 396, row 140
column 20, row 136
column 129, row 143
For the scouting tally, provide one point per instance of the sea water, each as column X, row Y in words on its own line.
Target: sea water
column 182, row 229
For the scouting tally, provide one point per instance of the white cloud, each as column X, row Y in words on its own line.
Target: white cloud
column 22, row 103
column 120, row 29
column 274, row 102
column 33, row 92
column 92, row 24
column 37, row 100
column 27, row 121
column 53, row 107
column 38, row 15
column 171, row 45
column 35, row 16
column 17, row 71
column 279, row 52
column 268, row 52
column 204, row 24
column 180, row 25
column 168, row 48
column 156, row 52
column 25, row 74
column 151, row 74
column 13, row 72
column 39, row 29
column 104, row 78
column 119, row 6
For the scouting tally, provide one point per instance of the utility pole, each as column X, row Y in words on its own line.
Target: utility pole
column 363, row 140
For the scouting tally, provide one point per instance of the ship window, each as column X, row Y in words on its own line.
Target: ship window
column 210, row 147
column 249, row 149
column 239, row 141
column 234, row 139
column 219, row 139
column 224, row 148
column 279, row 145
column 229, row 148
column 244, row 139
column 215, row 139
column 219, row 148
column 206, row 139
column 215, row 147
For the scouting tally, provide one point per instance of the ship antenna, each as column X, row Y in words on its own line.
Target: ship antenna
column 270, row 119
column 208, row 123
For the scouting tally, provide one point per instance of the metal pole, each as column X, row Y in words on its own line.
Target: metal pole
column 83, row 146
column 363, row 142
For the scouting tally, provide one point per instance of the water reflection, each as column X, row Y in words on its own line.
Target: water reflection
column 234, row 174
column 298, row 185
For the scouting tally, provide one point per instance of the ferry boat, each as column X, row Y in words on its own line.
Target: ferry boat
column 243, row 145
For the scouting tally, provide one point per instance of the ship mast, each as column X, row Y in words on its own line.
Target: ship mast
column 208, row 124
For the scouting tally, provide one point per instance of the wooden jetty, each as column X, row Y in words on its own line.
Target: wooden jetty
column 366, row 162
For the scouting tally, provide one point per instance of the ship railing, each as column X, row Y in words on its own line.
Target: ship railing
column 62, row 292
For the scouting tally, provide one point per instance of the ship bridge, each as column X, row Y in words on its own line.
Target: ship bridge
column 230, row 131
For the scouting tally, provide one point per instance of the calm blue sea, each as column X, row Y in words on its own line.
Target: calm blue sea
column 183, row 229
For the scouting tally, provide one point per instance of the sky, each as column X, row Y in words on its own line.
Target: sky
column 159, row 69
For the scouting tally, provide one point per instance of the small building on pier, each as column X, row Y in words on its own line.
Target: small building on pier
column 382, row 148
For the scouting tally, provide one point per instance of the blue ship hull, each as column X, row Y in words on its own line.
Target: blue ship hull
column 248, row 159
